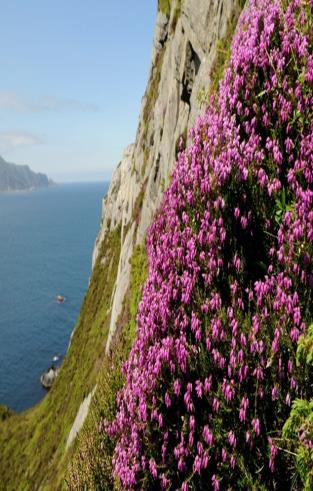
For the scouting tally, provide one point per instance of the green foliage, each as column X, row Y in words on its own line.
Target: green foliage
column 298, row 429
column 165, row 6
column 138, row 275
column 282, row 206
column 33, row 443
column 91, row 467
column 145, row 162
column 176, row 15
column 305, row 349
column 133, row 169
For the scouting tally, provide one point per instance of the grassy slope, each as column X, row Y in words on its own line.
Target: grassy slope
column 91, row 463
column 33, row 443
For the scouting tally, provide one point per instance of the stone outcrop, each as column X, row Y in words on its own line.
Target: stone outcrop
column 80, row 418
column 183, row 53
column 47, row 379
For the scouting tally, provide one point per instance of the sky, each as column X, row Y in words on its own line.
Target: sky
column 73, row 74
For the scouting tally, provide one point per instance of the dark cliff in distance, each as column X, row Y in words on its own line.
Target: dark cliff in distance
column 20, row 177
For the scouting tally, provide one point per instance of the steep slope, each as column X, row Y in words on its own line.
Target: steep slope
column 34, row 452
column 20, row 177
column 223, row 348
column 184, row 56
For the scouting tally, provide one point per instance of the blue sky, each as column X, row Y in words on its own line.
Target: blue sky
column 72, row 77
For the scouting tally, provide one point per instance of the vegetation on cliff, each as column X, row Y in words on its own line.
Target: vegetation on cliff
column 33, row 444
column 298, row 429
column 91, row 466
column 213, row 371
column 216, row 392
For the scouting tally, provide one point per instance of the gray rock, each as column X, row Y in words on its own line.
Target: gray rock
column 182, row 58
column 47, row 379
column 80, row 418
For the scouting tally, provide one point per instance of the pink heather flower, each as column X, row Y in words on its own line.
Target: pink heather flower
column 199, row 389
column 232, row 439
column 215, row 483
column 205, row 460
column 164, row 482
column 190, row 439
column 167, row 400
column 256, row 426
column 207, row 435
column 181, row 465
column 216, row 405
column 236, row 213
column 197, row 464
column 293, row 383
column 192, row 423
column 275, row 393
column 244, row 222
column 207, row 384
column 177, row 387
column 194, row 341
column 199, row 448
column 273, row 454
column 153, row 468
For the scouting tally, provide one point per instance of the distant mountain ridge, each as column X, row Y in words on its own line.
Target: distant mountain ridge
column 15, row 177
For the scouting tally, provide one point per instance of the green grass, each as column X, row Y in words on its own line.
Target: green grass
column 165, row 6
column 91, row 467
column 300, row 421
column 5, row 413
column 33, row 443
column 176, row 15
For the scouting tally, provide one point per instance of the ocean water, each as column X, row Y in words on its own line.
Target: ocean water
column 46, row 242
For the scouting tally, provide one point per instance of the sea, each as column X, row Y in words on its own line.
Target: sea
column 46, row 242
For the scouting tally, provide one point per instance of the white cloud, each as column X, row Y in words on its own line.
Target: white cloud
column 15, row 139
column 12, row 101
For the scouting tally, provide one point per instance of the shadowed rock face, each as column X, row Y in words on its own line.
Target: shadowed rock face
column 20, row 177
column 183, row 54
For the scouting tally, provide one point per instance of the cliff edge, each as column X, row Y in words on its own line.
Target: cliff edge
column 184, row 54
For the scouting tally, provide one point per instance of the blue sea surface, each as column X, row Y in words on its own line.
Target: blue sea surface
column 46, row 242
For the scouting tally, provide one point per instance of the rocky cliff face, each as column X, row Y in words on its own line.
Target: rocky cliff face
column 20, row 177
column 183, row 56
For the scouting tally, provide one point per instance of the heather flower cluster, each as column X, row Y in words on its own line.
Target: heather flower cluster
column 212, row 373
